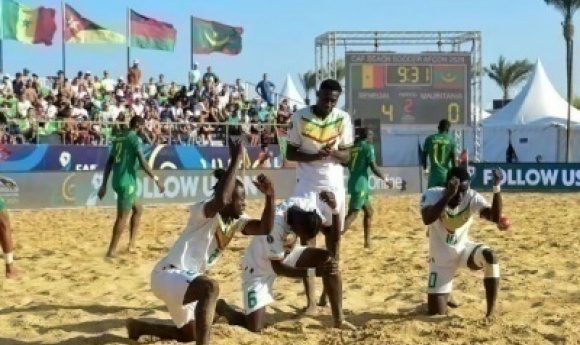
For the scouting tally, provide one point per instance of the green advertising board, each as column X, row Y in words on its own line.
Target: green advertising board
column 542, row 177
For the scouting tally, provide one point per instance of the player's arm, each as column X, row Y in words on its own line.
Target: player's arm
column 342, row 155
column 452, row 157
column 266, row 223
column 294, row 154
column 108, row 168
column 425, row 154
column 345, row 142
column 281, row 269
column 431, row 213
column 493, row 213
column 332, row 234
column 225, row 188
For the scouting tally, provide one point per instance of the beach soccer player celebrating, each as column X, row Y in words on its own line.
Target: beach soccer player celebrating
column 362, row 158
column 6, row 233
column 266, row 258
column 319, row 139
column 449, row 213
column 439, row 149
column 179, row 279
column 126, row 153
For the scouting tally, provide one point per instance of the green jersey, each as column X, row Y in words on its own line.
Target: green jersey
column 125, row 151
column 361, row 156
column 439, row 148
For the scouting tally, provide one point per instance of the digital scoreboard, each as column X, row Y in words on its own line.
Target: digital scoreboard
column 409, row 89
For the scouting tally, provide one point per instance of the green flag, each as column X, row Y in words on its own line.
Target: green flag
column 209, row 36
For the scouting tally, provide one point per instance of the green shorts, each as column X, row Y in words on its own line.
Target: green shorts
column 358, row 199
column 2, row 204
column 126, row 196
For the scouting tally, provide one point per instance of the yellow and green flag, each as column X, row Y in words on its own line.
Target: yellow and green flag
column 79, row 29
column 26, row 24
column 368, row 76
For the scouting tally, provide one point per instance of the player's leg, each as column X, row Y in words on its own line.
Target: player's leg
column 439, row 286
column 254, row 322
column 482, row 257
column 134, row 225
column 124, row 207
column 350, row 218
column 367, row 220
column 309, row 287
column 6, row 242
column 354, row 207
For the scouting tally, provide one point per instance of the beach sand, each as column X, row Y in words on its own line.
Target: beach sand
column 69, row 294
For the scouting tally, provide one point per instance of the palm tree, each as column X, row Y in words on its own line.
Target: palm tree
column 567, row 8
column 508, row 74
column 308, row 81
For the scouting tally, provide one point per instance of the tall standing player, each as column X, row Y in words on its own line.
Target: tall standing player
column 449, row 213
column 362, row 158
column 126, row 153
column 6, row 233
column 319, row 139
column 439, row 149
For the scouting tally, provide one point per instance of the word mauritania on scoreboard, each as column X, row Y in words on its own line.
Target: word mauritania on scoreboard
column 404, row 89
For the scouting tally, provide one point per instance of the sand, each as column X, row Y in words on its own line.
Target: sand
column 71, row 295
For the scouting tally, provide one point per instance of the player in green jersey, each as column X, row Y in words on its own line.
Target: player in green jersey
column 362, row 157
column 126, row 153
column 440, row 149
column 6, row 232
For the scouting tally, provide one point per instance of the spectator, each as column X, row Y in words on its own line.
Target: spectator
column 108, row 83
column 209, row 77
column 134, row 74
column 194, row 76
column 265, row 88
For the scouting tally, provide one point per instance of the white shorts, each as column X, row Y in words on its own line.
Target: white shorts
column 170, row 285
column 306, row 190
column 258, row 289
column 440, row 279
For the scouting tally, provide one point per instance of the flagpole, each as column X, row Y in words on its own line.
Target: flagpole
column 128, row 38
column 1, row 37
column 63, row 38
column 191, row 42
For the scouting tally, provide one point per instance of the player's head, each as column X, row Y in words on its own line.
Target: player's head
column 305, row 224
column 328, row 95
column 463, row 176
column 366, row 134
column 137, row 123
column 444, row 126
column 236, row 207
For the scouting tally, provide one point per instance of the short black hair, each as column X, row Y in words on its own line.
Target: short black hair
column 460, row 172
column 136, row 121
column 444, row 125
column 219, row 174
column 361, row 133
column 330, row 85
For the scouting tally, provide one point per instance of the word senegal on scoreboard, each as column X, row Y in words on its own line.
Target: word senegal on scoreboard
column 409, row 89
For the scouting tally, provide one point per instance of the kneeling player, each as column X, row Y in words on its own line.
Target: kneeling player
column 449, row 213
column 265, row 259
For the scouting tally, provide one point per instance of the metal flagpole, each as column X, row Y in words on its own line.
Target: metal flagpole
column 191, row 41
column 63, row 9
column 1, row 37
column 128, row 38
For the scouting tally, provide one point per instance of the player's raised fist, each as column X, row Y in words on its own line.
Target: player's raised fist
column 264, row 185
column 497, row 176
column 236, row 148
column 452, row 187
column 8, row 183
column 328, row 198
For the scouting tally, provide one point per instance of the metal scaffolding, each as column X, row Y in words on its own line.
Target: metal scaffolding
column 325, row 61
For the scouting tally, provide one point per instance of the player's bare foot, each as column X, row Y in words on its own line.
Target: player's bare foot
column 345, row 325
column 111, row 255
column 452, row 303
column 323, row 301
column 310, row 310
column 12, row 272
column 133, row 329
column 367, row 245
column 133, row 250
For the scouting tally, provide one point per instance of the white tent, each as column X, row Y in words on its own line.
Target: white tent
column 290, row 92
column 535, row 118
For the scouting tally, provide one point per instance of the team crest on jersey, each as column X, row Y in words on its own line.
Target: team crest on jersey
column 454, row 222
column 225, row 232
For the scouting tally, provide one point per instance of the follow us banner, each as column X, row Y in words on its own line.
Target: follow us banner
column 34, row 190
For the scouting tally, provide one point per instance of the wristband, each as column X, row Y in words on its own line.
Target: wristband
column 311, row 272
column 156, row 178
column 496, row 189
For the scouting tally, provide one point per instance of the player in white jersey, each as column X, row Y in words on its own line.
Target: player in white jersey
column 266, row 258
column 449, row 213
column 179, row 278
column 319, row 139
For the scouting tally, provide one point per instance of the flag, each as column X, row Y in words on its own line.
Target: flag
column 209, row 36
column 148, row 33
column 79, row 29
column 368, row 76
column 26, row 24
column 449, row 77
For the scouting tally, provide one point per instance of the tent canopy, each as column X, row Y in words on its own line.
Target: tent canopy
column 538, row 104
column 290, row 92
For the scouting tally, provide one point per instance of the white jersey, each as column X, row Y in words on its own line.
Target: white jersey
column 263, row 249
column 448, row 235
column 200, row 245
column 310, row 133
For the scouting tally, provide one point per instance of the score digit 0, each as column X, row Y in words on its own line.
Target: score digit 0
column 453, row 112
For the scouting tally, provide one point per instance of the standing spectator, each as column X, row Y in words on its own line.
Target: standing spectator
column 265, row 89
column 194, row 76
column 18, row 85
column 137, row 108
column 108, row 83
column 151, row 88
column 134, row 75
column 209, row 77
column 161, row 85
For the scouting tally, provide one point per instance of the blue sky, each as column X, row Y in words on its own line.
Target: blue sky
column 279, row 35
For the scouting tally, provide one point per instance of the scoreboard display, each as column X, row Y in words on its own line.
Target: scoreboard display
column 409, row 89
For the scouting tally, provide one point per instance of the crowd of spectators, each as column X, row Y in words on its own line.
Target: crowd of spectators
column 88, row 109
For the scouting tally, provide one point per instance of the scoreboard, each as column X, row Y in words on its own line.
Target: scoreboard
column 409, row 89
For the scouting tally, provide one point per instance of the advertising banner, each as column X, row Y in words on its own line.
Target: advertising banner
column 534, row 177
